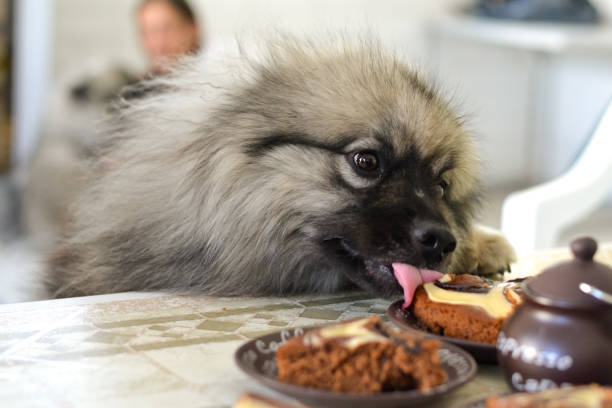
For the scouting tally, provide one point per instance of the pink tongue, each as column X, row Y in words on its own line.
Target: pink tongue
column 410, row 277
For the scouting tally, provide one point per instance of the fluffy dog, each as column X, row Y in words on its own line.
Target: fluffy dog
column 302, row 167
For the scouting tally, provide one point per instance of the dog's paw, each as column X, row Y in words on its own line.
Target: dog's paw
column 486, row 252
column 492, row 252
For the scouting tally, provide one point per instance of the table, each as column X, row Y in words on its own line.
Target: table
column 156, row 349
column 135, row 349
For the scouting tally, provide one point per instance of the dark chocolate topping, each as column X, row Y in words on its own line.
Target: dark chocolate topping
column 471, row 287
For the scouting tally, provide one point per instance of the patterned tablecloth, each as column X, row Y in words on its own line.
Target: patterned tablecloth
column 135, row 349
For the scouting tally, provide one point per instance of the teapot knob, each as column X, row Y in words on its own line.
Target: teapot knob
column 584, row 248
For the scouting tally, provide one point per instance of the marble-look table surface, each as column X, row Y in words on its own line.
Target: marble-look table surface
column 156, row 349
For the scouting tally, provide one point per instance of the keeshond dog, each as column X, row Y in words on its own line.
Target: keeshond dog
column 303, row 166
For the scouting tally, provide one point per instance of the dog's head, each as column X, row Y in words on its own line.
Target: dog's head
column 375, row 165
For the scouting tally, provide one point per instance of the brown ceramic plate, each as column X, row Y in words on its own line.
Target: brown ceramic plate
column 257, row 358
column 482, row 352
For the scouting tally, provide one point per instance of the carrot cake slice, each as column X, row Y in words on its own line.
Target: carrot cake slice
column 361, row 356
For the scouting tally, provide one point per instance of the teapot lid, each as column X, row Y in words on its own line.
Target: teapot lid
column 559, row 285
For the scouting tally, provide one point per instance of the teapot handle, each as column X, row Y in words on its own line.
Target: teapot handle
column 596, row 293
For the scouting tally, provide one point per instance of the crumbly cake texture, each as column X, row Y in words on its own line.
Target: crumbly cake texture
column 471, row 318
column 588, row 396
column 361, row 356
column 249, row 400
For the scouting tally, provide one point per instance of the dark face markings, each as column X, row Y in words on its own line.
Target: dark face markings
column 410, row 172
column 377, row 225
column 260, row 146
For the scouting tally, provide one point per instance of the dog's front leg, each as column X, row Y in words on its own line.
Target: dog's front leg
column 486, row 252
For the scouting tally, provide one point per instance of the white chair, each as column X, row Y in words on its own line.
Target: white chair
column 533, row 218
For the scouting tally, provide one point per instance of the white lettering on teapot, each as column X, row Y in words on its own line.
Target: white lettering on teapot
column 531, row 355
column 535, row 385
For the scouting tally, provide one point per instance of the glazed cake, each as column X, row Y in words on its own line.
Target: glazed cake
column 588, row 396
column 361, row 356
column 466, row 307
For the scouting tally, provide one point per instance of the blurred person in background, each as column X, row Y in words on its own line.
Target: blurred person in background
column 56, row 174
column 168, row 30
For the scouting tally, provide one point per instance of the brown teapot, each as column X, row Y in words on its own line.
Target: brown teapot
column 561, row 334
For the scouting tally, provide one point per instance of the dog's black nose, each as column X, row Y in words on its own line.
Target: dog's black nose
column 435, row 242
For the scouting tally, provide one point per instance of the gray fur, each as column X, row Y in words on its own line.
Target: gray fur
column 204, row 189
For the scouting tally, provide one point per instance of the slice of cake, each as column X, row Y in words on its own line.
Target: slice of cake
column 588, row 396
column 466, row 307
column 361, row 356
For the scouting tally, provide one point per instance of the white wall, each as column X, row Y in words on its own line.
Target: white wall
column 86, row 29
column 535, row 91
column 104, row 29
column 93, row 30
column 494, row 88
column 577, row 89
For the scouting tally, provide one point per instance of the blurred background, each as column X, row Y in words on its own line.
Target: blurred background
column 533, row 77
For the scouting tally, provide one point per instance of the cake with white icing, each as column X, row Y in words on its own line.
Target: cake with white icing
column 466, row 307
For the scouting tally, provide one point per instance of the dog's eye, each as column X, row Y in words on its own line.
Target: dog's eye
column 441, row 188
column 366, row 161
